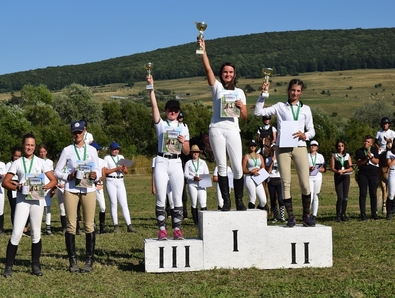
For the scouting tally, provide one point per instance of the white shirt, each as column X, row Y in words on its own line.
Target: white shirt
column 110, row 162
column 18, row 168
column 216, row 119
column 161, row 127
column 88, row 138
column 282, row 110
column 389, row 134
column 69, row 158
column 316, row 159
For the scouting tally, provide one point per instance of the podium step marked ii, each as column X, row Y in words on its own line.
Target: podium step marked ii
column 241, row 239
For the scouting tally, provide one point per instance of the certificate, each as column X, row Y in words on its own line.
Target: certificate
column 287, row 140
column 263, row 175
column 317, row 168
column 206, row 180
column 126, row 162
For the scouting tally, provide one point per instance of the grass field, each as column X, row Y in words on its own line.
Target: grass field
column 362, row 259
column 348, row 89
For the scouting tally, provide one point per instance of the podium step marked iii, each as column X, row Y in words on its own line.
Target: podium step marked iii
column 241, row 239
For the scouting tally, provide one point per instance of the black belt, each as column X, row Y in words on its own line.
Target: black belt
column 115, row 177
column 169, row 155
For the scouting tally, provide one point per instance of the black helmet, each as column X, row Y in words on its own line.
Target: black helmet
column 385, row 120
column 180, row 115
column 266, row 118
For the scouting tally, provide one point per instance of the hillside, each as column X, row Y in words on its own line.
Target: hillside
column 289, row 53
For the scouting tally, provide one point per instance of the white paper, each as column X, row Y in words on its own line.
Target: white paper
column 206, row 180
column 125, row 162
column 288, row 128
column 263, row 175
column 316, row 170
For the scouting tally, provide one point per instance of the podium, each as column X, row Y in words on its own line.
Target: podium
column 241, row 239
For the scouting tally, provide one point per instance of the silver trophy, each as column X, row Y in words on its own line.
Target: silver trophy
column 201, row 26
column 148, row 67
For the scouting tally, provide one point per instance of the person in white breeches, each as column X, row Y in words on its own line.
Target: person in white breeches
column 391, row 181
column 224, row 131
column 317, row 167
column 252, row 163
column 172, row 140
column 25, row 167
column 3, row 171
column 192, row 171
column 100, row 191
column 42, row 152
column 115, row 186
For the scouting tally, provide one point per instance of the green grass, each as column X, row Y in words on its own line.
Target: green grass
column 362, row 259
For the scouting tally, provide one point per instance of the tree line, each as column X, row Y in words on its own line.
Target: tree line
column 130, row 122
column 289, row 52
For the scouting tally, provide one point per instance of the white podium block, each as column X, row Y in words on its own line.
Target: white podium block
column 233, row 239
column 173, row 255
column 297, row 247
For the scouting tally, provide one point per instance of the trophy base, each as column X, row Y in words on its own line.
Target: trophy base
column 199, row 52
column 149, row 87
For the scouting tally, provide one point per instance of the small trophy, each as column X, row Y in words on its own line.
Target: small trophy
column 201, row 26
column 148, row 67
column 267, row 72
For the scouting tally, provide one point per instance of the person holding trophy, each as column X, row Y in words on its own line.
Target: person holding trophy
column 229, row 104
column 172, row 140
column 295, row 126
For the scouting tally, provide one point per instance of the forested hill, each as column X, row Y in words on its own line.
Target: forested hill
column 289, row 52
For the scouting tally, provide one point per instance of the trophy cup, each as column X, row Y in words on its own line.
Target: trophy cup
column 267, row 72
column 148, row 67
column 201, row 26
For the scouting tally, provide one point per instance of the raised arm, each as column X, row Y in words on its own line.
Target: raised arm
column 206, row 63
column 154, row 103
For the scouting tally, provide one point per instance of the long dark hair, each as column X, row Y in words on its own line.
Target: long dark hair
column 232, row 84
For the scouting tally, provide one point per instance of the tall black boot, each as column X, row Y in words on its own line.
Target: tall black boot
column 239, row 188
column 70, row 245
column 63, row 223
column 389, row 209
column 194, row 212
column 2, row 225
column 90, row 240
column 36, row 254
column 223, row 183
column 10, row 258
column 102, row 219
column 338, row 210
column 344, row 217
column 184, row 201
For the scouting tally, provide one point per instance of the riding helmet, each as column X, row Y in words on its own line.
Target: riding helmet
column 385, row 120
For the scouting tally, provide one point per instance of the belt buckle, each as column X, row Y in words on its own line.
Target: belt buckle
column 167, row 155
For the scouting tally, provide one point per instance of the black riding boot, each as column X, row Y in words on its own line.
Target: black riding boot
column 70, row 245
column 389, row 208
column 102, row 219
column 63, row 223
column 90, row 239
column 239, row 188
column 194, row 212
column 338, row 210
column 36, row 254
column 344, row 210
column 224, row 187
column 10, row 258
column 1, row 225
column 251, row 205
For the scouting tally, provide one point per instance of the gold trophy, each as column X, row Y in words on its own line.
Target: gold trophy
column 267, row 72
column 201, row 26
column 148, row 67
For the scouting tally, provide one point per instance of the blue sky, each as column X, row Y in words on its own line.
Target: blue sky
column 41, row 33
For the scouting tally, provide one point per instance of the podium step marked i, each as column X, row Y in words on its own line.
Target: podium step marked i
column 241, row 239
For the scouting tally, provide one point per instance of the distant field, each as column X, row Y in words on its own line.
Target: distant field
column 348, row 89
